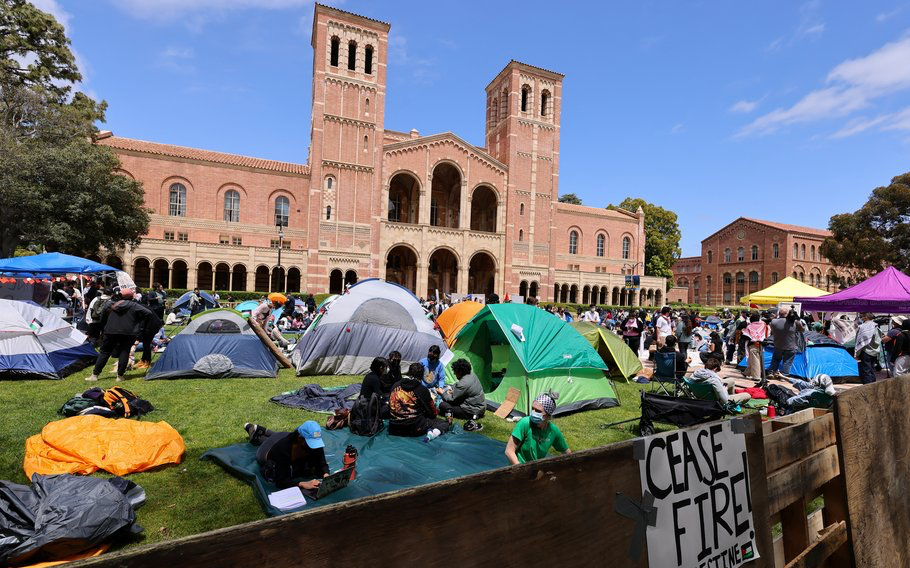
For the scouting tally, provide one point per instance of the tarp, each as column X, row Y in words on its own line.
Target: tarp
column 621, row 361
column 60, row 516
column 384, row 463
column 183, row 302
column 888, row 292
column 53, row 263
column 822, row 355
column 782, row 291
column 454, row 318
column 85, row 444
column 37, row 344
column 371, row 319
column 216, row 344
column 551, row 356
column 316, row 398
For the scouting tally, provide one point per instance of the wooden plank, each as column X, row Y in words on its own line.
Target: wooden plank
column 790, row 445
column 793, row 482
column 795, row 418
column 758, row 480
column 834, row 511
column 875, row 450
column 276, row 351
column 794, row 529
column 832, row 539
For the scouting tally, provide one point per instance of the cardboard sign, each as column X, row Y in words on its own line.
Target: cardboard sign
column 792, row 306
column 700, row 482
column 508, row 405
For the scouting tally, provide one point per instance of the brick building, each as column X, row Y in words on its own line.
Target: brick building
column 749, row 254
column 429, row 212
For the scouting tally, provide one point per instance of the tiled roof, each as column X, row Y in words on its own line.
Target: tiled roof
column 595, row 210
column 792, row 228
column 354, row 14
column 172, row 151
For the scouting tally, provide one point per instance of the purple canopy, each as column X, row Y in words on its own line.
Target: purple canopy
column 888, row 292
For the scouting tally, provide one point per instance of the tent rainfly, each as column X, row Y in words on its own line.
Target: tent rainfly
column 454, row 318
column 783, row 291
column 523, row 347
column 888, row 292
column 621, row 360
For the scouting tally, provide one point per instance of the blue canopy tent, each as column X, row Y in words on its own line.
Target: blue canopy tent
column 53, row 263
column 183, row 302
column 822, row 355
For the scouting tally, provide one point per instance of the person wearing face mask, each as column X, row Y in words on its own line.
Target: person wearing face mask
column 434, row 371
column 535, row 434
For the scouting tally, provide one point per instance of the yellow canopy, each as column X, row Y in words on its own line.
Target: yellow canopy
column 783, row 291
column 453, row 319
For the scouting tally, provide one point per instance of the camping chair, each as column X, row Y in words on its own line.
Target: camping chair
column 664, row 372
column 704, row 391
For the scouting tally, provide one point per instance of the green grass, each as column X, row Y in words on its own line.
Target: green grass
column 197, row 496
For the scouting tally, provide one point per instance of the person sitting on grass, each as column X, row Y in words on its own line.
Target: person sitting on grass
column 434, row 371
column 682, row 361
column 372, row 384
column 286, row 456
column 412, row 411
column 723, row 388
column 535, row 434
column 465, row 398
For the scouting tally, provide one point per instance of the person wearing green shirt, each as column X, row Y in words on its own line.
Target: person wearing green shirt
column 535, row 434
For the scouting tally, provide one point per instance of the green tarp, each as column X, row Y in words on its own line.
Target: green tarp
column 384, row 463
column 552, row 356
column 621, row 360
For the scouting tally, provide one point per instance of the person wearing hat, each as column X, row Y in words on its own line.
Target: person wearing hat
column 286, row 456
column 535, row 434
column 122, row 322
column 262, row 313
column 820, row 382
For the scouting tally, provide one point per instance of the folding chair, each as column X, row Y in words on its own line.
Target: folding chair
column 664, row 372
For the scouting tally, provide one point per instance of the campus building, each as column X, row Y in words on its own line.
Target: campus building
column 748, row 255
column 433, row 213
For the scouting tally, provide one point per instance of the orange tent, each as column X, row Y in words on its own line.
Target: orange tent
column 85, row 444
column 453, row 319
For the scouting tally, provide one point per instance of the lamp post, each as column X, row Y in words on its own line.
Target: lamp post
column 280, row 268
column 631, row 266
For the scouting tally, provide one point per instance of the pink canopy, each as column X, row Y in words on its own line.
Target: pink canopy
column 888, row 292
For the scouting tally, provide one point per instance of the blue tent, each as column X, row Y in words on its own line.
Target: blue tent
column 247, row 306
column 183, row 302
column 53, row 263
column 822, row 355
column 216, row 344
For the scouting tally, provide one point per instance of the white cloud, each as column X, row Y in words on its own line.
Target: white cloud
column 54, row 8
column 678, row 128
column 744, row 106
column 858, row 125
column 810, row 27
column 853, row 85
column 814, row 31
column 176, row 58
column 885, row 16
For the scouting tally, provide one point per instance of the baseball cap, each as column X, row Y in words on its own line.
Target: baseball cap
column 312, row 433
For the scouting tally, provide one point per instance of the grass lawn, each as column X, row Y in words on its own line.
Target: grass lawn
column 197, row 496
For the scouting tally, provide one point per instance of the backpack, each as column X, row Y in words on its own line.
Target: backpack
column 76, row 405
column 97, row 310
column 365, row 418
column 126, row 403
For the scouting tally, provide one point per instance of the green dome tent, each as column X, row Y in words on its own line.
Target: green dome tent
column 533, row 351
column 623, row 363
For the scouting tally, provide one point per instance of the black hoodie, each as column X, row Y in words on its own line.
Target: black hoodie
column 125, row 317
column 411, row 408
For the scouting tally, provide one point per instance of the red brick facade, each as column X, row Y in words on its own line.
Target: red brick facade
column 430, row 212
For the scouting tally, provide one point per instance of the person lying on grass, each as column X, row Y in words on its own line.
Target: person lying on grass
column 535, row 434
column 286, row 456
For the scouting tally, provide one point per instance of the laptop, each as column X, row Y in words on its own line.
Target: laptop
column 331, row 484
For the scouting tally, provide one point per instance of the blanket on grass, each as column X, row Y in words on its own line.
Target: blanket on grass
column 384, row 463
column 316, row 398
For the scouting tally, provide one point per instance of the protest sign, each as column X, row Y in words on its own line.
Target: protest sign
column 700, row 482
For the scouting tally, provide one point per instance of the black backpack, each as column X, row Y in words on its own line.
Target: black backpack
column 366, row 416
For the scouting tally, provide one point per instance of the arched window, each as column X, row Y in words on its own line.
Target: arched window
column 754, row 252
column 775, row 250
column 626, row 248
column 352, row 55
column 282, row 211
column 774, row 277
column 521, row 235
column 573, row 242
column 753, row 278
column 728, row 255
column 710, row 256
column 232, row 206
column 525, row 98
column 505, row 104
column 368, row 60
column 521, row 209
column 494, row 112
column 544, row 101
column 601, row 240
column 803, row 252
column 328, row 212
column 740, row 254
column 813, row 252
column 366, row 143
column 366, row 106
column 329, row 182
column 177, row 201
column 795, row 251
column 333, row 56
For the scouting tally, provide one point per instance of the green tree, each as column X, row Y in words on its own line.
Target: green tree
column 57, row 188
column 570, row 198
column 877, row 234
column 661, row 236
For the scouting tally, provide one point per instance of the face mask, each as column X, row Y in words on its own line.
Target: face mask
column 536, row 417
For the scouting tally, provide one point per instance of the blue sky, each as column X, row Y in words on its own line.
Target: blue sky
column 783, row 110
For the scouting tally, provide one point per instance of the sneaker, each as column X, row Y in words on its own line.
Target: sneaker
column 92, row 377
column 142, row 365
column 120, row 378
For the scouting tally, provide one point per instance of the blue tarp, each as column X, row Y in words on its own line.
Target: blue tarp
column 385, row 463
column 832, row 360
column 53, row 263
column 250, row 357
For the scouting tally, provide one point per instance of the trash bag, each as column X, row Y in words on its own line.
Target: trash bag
column 62, row 515
column 214, row 366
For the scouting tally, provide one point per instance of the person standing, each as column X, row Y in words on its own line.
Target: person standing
column 756, row 333
column 684, row 333
column 868, row 346
column 95, row 312
column 632, row 328
column 785, row 330
column 662, row 326
column 150, row 328
column 156, row 300
column 122, row 322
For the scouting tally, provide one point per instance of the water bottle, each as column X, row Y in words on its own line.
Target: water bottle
column 432, row 435
column 349, row 460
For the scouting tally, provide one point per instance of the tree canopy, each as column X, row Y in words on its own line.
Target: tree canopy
column 877, row 234
column 57, row 188
column 662, row 236
column 570, row 198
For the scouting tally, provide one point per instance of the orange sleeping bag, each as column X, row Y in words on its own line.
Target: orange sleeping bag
column 85, row 444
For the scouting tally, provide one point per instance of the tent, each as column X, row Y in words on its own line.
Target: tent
column 53, row 263
column 454, row 318
column 822, row 355
column 36, row 344
column 215, row 344
column 247, row 307
column 371, row 319
column 533, row 351
column 183, row 302
column 620, row 359
column 782, row 291
column 888, row 292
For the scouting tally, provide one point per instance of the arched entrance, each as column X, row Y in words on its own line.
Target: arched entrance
column 142, row 273
column 179, row 273
column 445, row 196
column 261, row 281
column 293, row 282
column 615, row 301
column 401, row 267
column 161, row 273
column 573, row 294
column 523, row 289
column 336, row 282
column 564, row 293
column 483, row 209
column 533, row 290
column 238, row 278
column 114, row 261
column 404, row 198
column 556, row 292
column 442, row 273
column 481, row 274
column 350, row 278
column 222, row 276
column 586, row 295
column 278, row 279
column 204, row 276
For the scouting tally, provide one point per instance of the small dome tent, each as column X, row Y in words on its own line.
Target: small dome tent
column 456, row 317
column 215, row 344
column 371, row 319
